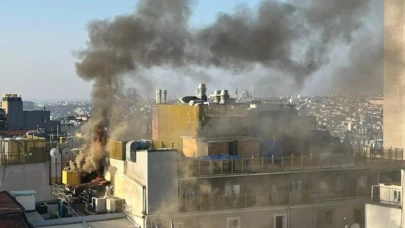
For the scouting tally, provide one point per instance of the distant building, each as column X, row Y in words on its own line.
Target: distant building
column 232, row 165
column 3, row 120
column 13, row 106
column 386, row 207
column 18, row 119
column 394, row 74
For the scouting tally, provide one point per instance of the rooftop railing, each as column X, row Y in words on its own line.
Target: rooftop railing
column 260, row 199
column 198, row 168
column 23, row 158
column 386, row 194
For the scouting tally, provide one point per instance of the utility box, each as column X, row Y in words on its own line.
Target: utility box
column 71, row 177
column 114, row 204
column 99, row 204
column 26, row 198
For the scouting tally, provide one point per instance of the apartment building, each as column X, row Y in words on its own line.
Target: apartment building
column 193, row 177
column 386, row 206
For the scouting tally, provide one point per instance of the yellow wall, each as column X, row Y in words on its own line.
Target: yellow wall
column 194, row 147
column 4, row 105
column 176, row 121
column 116, row 149
column 171, row 122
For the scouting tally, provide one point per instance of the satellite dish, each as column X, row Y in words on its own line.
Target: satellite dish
column 355, row 226
column 65, row 152
column 54, row 152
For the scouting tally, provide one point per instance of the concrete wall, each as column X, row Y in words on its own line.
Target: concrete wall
column 394, row 102
column 129, row 179
column 382, row 216
column 194, row 147
column 162, row 182
column 27, row 177
column 149, row 184
column 296, row 217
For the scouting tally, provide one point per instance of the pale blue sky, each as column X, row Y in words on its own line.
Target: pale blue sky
column 37, row 39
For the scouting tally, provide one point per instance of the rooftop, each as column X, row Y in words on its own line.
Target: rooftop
column 8, row 204
column 11, row 212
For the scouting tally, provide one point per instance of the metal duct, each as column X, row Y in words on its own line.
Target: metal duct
column 224, row 96
column 165, row 96
column 158, row 96
column 217, row 96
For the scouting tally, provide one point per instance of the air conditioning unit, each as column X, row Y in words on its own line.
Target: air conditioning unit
column 99, row 204
column 114, row 204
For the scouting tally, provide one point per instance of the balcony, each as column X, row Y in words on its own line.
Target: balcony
column 202, row 168
column 262, row 199
column 386, row 194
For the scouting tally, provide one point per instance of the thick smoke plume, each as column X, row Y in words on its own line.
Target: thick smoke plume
column 282, row 36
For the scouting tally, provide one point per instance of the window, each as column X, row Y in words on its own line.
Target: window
column 233, row 222
column 280, row 221
column 328, row 218
column 397, row 196
column 232, row 190
column 358, row 216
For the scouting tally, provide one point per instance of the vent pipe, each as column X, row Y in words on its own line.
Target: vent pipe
column 216, row 96
column 224, row 96
column 158, row 96
column 165, row 96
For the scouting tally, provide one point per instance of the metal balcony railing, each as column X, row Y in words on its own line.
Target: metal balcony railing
column 195, row 167
column 386, row 194
column 23, row 158
column 246, row 200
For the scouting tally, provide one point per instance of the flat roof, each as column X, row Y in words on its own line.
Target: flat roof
column 222, row 139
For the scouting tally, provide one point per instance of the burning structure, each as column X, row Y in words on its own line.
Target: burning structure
column 229, row 164
column 221, row 155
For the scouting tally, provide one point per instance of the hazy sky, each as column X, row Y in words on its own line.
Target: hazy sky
column 38, row 38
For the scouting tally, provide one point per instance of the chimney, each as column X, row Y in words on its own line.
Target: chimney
column 158, row 96
column 165, row 96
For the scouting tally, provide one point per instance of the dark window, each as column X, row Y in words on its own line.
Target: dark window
column 233, row 148
column 328, row 218
column 358, row 216
column 279, row 221
column 233, row 223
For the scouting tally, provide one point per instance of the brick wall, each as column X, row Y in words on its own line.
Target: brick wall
column 155, row 123
column 218, row 148
column 249, row 148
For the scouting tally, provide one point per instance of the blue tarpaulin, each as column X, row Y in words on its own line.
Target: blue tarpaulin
column 271, row 148
column 219, row 157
